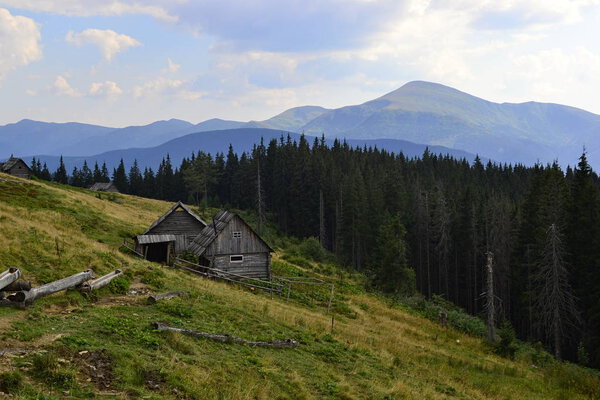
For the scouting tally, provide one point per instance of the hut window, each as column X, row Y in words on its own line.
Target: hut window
column 236, row 259
column 236, row 234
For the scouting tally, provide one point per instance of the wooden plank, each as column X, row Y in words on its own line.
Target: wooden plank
column 9, row 276
column 27, row 297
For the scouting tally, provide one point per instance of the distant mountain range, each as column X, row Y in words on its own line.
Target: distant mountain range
column 242, row 139
column 418, row 112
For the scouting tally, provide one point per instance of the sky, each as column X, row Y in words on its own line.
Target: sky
column 131, row 62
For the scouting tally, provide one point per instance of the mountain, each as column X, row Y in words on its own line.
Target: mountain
column 418, row 112
column 435, row 114
column 242, row 139
column 34, row 137
column 290, row 120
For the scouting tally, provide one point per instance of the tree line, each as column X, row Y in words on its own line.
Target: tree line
column 424, row 223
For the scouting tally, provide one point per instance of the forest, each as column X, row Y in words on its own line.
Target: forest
column 426, row 224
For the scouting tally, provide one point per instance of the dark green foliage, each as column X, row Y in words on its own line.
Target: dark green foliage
column 311, row 248
column 507, row 346
column 119, row 285
column 11, row 382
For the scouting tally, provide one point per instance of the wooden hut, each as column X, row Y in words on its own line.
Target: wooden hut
column 16, row 167
column 170, row 234
column 229, row 244
column 104, row 187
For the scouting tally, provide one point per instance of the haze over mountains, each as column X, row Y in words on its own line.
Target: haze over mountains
column 418, row 112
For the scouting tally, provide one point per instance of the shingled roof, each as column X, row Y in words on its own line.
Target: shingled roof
column 212, row 231
column 7, row 165
column 102, row 186
column 165, row 215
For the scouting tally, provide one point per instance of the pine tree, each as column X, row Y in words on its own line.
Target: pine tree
column 120, row 178
column 60, row 175
column 555, row 301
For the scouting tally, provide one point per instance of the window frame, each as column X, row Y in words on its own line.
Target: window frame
column 241, row 258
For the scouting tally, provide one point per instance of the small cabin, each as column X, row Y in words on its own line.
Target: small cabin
column 16, row 167
column 170, row 234
column 229, row 244
column 104, row 187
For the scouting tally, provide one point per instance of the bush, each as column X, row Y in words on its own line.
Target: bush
column 507, row 346
column 11, row 382
column 311, row 248
column 119, row 285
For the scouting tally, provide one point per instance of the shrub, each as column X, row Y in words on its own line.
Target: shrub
column 311, row 248
column 119, row 285
column 11, row 382
column 507, row 346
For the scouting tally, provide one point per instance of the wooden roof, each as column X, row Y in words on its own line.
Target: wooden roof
column 11, row 162
column 165, row 215
column 214, row 229
column 147, row 239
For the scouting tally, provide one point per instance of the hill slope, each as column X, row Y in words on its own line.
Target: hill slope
column 103, row 347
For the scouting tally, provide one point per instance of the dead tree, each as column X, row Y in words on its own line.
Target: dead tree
column 226, row 338
column 100, row 282
column 28, row 297
column 9, row 276
column 490, row 300
column 555, row 301
column 164, row 296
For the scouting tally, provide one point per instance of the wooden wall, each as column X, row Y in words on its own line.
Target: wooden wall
column 20, row 170
column 179, row 222
column 256, row 265
column 225, row 243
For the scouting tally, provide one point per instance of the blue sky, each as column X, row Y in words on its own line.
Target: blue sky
column 131, row 62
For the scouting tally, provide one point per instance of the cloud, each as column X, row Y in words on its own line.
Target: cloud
column 104, row 89
column 62, row 87
column 166, row 87
column 172, row 67
column 89, row 8
column 19, row 42
column 109, row 42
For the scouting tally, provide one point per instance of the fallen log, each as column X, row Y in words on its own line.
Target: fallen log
column 226, row 338
column 9, row 276
column 18, row 286
column 164, row 296
column 28, row 297
column 100, row 282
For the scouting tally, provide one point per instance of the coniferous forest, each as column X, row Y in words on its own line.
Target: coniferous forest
column 424, row 224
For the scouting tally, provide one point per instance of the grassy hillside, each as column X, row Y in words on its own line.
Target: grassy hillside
column 69, row 346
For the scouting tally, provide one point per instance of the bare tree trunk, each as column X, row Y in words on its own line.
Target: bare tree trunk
column 226, row 338
column 9, row 276
column 17, row 286
column 164, row 296
column 52, row 287
column 490, row 300
column 100, row 282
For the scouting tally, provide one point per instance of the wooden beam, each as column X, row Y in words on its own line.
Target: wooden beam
column 164, row 296
column 9, row 276
column 28, row 297
column 100, row 282
column 226, row 338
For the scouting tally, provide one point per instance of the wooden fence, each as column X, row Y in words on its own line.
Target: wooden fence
column 213, row 273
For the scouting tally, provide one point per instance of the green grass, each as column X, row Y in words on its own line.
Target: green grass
column 378, row 348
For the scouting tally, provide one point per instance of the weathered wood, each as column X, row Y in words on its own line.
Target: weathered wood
column 100, row 282
column 27, row 297
column 9, row 276
column 18, row 286
column 226, row 338
column 165, row 296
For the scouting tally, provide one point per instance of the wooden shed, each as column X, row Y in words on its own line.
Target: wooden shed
column 228, row 243
column 16, row 167
column 170, row 234
column 104, row 187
